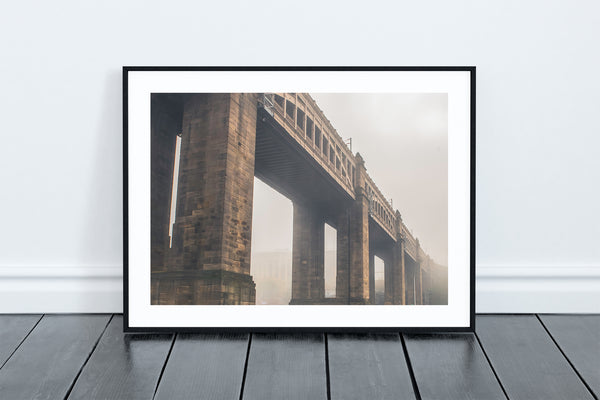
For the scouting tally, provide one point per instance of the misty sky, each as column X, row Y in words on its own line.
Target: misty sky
column 403, row 139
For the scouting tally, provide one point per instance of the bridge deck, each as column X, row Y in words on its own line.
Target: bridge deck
column 296, row 119
column 88, row 357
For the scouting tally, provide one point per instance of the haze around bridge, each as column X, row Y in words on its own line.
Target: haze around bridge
column 403, row 139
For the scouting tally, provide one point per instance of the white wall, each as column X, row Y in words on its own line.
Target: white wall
column 538, row 127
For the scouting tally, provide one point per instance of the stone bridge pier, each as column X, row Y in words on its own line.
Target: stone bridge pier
column 414, row 282
column 393, row 256
column 353, row 274
column 359, row 240
column 353, row 257
column 308, row 256
column 353, row 267
column 209, row 261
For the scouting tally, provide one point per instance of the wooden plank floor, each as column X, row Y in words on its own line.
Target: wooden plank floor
column 509, row 356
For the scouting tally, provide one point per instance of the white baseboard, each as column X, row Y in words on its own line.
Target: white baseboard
column 557, row 289
column 48, row 289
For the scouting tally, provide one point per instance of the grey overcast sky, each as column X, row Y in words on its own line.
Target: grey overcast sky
column 403, row 139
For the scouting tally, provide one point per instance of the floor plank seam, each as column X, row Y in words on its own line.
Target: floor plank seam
column 21, row 342
column 567, row 358
column 410, row 368
column 246, row 366
column 490, row 364
column 88, row 358
column 162, row 370
column 327, row 375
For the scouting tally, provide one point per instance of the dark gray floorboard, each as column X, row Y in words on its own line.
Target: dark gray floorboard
column 46, row 364
column 579, row 338
column 286, row 366
column 526, row 360
column 451, row 366
column 13, row 329
column 204, row 367
column 368, row 366
column 123, row 366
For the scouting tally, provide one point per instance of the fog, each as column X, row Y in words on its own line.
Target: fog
column 403, row 139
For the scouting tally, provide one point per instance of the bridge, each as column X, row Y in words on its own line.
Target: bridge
column 285, row 140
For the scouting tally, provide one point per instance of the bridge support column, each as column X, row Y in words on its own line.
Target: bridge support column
column 372, row 297
column 426, row 286
column 419, row 275
column 419, row 284
column 359, row 251
column 410, row 283
column 342, row 280
column 359, row 240
column 389, row 280
column 398, row 273
column 308, row 256
column 210, row 257
column 353, row 277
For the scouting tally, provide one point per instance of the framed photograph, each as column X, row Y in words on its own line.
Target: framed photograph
column 299, row 199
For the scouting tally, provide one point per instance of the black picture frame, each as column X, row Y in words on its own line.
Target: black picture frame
column 127, row 70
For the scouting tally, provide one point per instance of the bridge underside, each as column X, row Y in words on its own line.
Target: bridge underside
column 283, row 164
column 226, row 140
column 286, row 167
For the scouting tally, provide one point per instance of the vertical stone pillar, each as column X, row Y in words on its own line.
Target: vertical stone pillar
column 389, row 279
column 399, row 268
column 165, row 125
column 359, row 238
column 419, row 276
column 308, row 256
column 210, row 261
column 425, row 284
column 410, row 283
column 342, row 281
column 419, row 284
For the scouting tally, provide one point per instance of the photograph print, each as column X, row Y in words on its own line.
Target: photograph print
column 277, row 202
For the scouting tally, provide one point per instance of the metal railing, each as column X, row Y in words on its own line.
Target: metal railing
column 336, row 158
